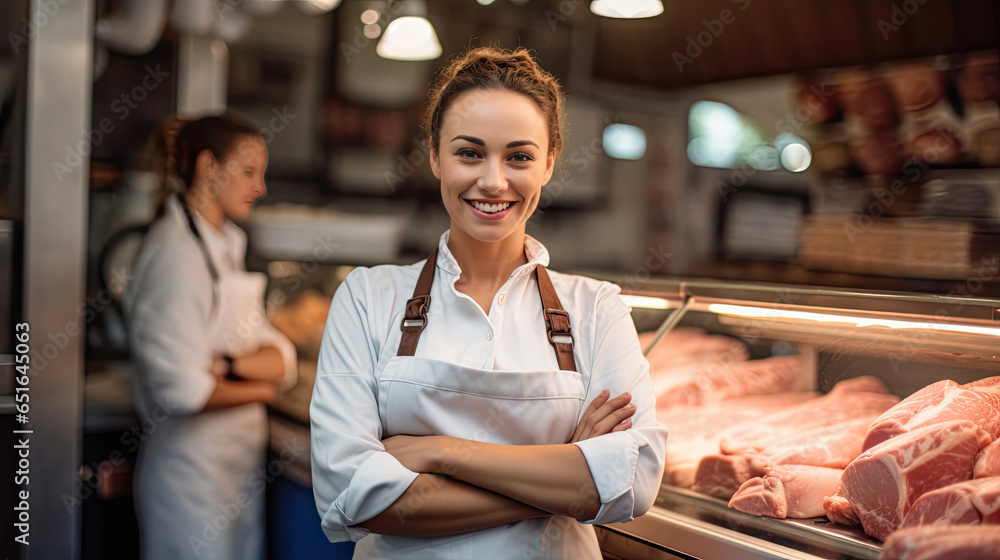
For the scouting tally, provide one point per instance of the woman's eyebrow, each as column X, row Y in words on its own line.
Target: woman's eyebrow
column 472, row 139
column 521, row 143
column 480, row 142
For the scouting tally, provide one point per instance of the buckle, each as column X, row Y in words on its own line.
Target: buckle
column 558, row 335
column 418, row 323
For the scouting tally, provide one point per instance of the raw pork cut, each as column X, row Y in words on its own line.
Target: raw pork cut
column 939, row 402
column 841, row 404
column 943, row 542
column 722, row 475
column 685, row 345
column 973, row 502
column 714, row 381
column 834, row 445
column 694, row 430
column 988, row 461
column 794, row 491
column 885, row 480
column 839, row 510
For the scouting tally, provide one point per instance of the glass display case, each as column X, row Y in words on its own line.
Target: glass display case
column 905, row 341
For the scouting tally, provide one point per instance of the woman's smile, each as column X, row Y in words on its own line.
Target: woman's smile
column 487, row 210
column 493, row 163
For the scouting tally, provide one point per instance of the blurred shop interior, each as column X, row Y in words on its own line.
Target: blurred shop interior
column 850, row 146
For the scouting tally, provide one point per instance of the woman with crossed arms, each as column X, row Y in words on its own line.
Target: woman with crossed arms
column 449, row 415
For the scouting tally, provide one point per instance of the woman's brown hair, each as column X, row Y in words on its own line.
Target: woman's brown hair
column 218, row 134
column 492, row 68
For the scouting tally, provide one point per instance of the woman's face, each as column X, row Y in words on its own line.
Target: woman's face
column 492, row 161
column 238, row 181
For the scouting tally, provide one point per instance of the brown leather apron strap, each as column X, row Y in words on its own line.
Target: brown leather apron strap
column 415, row 318
column 556, row 320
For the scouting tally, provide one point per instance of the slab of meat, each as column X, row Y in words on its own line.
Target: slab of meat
column 834, row 445
column 943, row 542
column 715, row 381
column 722, row 475
column 839, row 510
column 694, row 430
column 988, row 461
column 841, row 404
column 885, row 480
column 794, row 491
column 940, row 402
column 973, row 502
column 686, row 345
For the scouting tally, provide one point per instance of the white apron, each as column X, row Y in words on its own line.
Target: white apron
column 200, row 478
column 422, row 396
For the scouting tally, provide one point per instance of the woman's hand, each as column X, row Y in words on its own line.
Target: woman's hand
column 417, row 453
column 220, row 367
column 604, row 416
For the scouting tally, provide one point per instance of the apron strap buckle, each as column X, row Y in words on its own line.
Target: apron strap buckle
column 414, row 321
column 561, row 337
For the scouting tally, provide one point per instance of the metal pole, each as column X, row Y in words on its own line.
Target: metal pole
column 57, row 151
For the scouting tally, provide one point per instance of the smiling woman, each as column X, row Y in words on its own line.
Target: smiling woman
column 455, row 423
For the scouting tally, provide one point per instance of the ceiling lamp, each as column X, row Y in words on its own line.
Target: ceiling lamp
column 627, row 9
column 410, row 36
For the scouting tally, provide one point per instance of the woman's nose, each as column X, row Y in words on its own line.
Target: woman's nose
column 259, row 188
column 493, row 178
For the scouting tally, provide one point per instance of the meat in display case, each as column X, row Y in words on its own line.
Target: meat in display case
column 812, row 423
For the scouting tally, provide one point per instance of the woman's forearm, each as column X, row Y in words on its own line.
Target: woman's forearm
column 553, row 478
column 234, row 393
column 435, row 506
column 266, row 364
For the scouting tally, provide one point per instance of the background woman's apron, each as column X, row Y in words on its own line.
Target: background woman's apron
column 200, row 478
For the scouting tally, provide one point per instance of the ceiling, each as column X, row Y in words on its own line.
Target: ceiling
column 696, row 42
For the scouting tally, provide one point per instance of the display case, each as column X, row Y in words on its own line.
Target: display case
column 906, row 341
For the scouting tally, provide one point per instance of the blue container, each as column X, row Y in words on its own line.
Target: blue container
column 295, row 526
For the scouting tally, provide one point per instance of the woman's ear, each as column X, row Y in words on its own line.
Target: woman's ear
column 205, row 165
column 435, row 163
column 550, row 164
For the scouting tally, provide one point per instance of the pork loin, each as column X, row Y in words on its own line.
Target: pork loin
column 714, row 381
column 972, row 502
column 943, row 542
column 884, row 482
column 839, row 510
column 842, row 404
column 988, row 462
column 687, row 345
column 695, row 430
column 794, row 491
column 940, row 402
column 722, row 475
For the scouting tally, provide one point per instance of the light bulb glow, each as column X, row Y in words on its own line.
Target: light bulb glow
column 624, row 141
column 766, row 313
column 627, row 9
column 409, row 38
column 645, row 302
column 796, row 157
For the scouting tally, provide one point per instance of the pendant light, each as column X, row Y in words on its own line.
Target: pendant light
column 409, row 36
column 627, row 9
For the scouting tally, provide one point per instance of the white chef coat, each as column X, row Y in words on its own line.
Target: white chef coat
column 195, row 488
column 362, row 395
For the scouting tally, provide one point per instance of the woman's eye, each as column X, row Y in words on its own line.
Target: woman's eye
column 467, row 153
column 249, row 173
column 521, row 157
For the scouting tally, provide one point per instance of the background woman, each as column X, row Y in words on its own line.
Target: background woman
column 463, row 418
column 206, row 356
